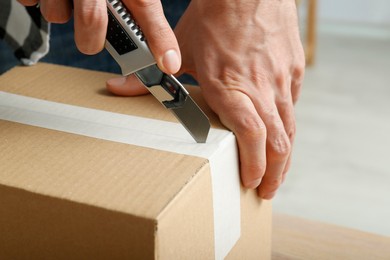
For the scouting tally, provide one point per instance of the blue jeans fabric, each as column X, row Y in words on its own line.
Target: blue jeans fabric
column 63, row 49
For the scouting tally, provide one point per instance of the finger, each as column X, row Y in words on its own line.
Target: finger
column 286, row 107
column 56, row 11
column 278, row 150
column 286, row 169
column 161, row 39
column 90, row 22
column 298, row 72
column 28, row 2
column 286, row 112
column 126, row 86
column 237, row 112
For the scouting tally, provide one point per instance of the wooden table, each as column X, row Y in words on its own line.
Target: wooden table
column 297, row 238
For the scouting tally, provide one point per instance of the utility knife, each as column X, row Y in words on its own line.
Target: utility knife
column 127, row 45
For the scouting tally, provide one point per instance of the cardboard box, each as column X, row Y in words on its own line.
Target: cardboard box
column 88, row 175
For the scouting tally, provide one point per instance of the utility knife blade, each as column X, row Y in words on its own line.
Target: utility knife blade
column 127, row 45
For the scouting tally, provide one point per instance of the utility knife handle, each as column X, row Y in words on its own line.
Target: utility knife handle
column 125, row 40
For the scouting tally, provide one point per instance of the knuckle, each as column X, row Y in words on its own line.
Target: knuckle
column 280, row 80
column 284, row 104
column 259, row 77
column 273, row 184
column 256, row 169
column 291, row 130
column 296, row 86
column 281, row 77
column 298, row 73
column 232, row 76
column 251, row 128
column 279, row 148
column 93, row 16
column 286, row 110
column 299, row 69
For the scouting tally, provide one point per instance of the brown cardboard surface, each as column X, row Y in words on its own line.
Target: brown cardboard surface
column 35, row 226
column 87, row 89
column 70, row 196
column 256, row 227
column 169, row 239
column 92, row 171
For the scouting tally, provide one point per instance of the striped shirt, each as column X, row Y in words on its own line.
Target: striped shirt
column 24, row 30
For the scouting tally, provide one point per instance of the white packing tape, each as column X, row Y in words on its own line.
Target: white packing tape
column 220, row 149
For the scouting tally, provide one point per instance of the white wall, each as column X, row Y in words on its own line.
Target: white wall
column 355, row 11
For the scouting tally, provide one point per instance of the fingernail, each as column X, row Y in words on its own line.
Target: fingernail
column 171, row 61
column 116, row 82
column 253, row 184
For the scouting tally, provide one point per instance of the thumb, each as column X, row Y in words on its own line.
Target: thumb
column 126, row 86
column 159, row 35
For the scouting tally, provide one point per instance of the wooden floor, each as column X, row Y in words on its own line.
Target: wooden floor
column 341, row 164
column 297, row 238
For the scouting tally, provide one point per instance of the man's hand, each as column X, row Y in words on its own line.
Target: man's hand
column 248, row 59
column 90, row 19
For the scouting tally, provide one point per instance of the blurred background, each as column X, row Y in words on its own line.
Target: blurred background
column 341, row 161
